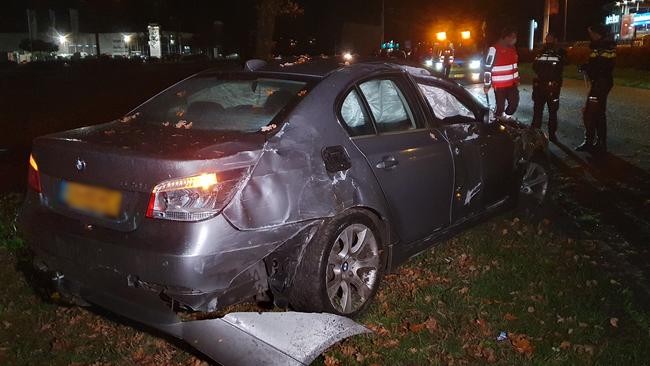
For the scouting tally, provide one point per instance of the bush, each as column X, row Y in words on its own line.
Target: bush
column 626, row 56
column 9, row 238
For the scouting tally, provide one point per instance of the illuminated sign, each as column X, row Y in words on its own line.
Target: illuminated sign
column 613, row 19
column 154, row 41
column 641, row 19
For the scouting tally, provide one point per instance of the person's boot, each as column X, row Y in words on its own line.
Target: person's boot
column 585, row 146
column 600, row 147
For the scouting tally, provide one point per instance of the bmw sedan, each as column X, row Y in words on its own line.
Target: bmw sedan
column 299, row 184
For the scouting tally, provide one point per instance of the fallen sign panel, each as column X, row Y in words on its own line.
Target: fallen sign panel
column 282, row 338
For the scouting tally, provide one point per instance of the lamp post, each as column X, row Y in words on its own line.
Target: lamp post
column 547, row 15
column 566, row 11
column 127, row 44
column 531, row 39
column 63, row 39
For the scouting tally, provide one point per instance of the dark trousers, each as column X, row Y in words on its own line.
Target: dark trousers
column 503, row 95
column 595, row 113
column 546, row 93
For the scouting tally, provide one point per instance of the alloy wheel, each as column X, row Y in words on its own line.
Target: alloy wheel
column 535, row 182
column 352, row 268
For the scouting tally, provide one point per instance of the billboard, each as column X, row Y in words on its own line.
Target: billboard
column 627, row 26
column 154, row 41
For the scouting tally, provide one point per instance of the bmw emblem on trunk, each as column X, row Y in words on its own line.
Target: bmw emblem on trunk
column 80, row 165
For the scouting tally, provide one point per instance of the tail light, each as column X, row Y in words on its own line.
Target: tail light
column 33, row 176
column 193, row 198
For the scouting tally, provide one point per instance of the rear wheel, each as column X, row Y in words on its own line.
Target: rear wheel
column 342, row 267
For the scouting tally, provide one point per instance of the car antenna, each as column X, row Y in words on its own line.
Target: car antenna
column 254, row 65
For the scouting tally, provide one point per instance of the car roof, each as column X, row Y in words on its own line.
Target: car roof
column 317, row 69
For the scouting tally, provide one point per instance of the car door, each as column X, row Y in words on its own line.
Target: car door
column 459, row 125
column 413, row 166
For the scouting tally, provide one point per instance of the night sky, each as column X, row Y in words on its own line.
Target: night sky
column 405, row 19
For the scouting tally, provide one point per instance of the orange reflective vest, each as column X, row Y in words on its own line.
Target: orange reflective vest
column 501, row 67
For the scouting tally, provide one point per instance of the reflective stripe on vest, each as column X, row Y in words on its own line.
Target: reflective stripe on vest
column 548, row 58
column 504, row 68
column 496, row 79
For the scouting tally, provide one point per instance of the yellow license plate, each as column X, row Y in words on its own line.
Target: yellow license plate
column 96, row 200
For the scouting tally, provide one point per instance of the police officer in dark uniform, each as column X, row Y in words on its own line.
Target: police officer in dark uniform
column 548, row 66
column 599, row 70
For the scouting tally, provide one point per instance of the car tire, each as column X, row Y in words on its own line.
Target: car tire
column 342, row 266
column 534, row 188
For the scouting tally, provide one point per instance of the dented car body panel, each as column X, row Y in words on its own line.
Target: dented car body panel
column 289, row 178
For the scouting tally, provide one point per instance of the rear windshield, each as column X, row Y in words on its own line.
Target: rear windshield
column 222, row 103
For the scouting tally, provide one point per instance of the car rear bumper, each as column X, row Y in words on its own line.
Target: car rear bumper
column 200, row 266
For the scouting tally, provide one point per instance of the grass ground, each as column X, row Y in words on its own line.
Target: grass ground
column 622, row 76
column 556, row 297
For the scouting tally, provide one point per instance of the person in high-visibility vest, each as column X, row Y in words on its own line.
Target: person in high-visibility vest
column 502, row 73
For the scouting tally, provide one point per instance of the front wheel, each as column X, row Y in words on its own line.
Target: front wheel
column 534, row 187
column 342, row 267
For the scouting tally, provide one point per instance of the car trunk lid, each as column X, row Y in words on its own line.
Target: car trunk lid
column 131, row 159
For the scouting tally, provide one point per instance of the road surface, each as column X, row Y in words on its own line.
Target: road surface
column 628, row 118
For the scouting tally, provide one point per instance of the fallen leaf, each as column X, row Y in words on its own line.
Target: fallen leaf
column 348, row 350
column 360, row 358
column 380, row 330
column 509, row 316
column 138, row 355
column 431, row 324
column 417, row 328
column 391, row 343
column 531, row 309
column 489, row 354
column 59, row 344
column 331, row 361
column 565, row 345
column 463, row 290
column 521, row 343
column 196, row 362
column 614, row 322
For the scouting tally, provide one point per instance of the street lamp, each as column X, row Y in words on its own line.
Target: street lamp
column 441, row 36
column 63, row 39
column 127, row 41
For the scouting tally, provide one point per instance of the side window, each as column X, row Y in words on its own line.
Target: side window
column 388, row 105
column 445, row 106
column 354, row 116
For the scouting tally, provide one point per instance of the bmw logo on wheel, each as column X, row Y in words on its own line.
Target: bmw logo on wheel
column 80, row 164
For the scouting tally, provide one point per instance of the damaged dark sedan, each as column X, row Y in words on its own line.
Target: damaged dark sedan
column 298, row 184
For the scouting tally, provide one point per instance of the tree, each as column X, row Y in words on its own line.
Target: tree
column 37, row 45
column 267, row 14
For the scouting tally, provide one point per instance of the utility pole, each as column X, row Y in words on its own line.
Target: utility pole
column 547, row 15
column 383, row 9
column 566, row 11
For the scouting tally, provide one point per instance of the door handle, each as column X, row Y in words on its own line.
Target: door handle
column 387, row 163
